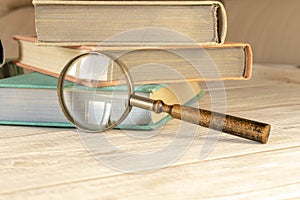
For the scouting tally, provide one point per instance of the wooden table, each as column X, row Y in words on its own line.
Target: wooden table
column 53, row 163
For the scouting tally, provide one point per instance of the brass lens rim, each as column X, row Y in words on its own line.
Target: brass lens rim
column 60, row 90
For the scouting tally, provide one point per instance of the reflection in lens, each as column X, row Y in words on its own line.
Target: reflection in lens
column 96, row 92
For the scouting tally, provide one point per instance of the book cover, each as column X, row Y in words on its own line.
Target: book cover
column 31, row 99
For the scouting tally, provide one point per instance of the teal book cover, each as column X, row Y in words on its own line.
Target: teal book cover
column 30, row 99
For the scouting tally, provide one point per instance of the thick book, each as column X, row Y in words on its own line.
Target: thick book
column 229, row 61
column 91, row 22
column 31, row 99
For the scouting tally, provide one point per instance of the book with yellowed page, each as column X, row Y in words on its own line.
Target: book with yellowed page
column 149, row 22
column 229, row 61
column 31, row 99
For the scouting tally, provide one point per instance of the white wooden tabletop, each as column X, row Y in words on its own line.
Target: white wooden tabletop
column 54, row 163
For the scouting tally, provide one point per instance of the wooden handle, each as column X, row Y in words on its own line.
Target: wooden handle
column 241, row 127
column 237, row 126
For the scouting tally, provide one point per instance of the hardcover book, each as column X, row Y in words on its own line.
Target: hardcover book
column 31, row 99
column 229, row 61
column 88, row 22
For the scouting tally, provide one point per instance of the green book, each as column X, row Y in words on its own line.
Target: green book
column 31, row 99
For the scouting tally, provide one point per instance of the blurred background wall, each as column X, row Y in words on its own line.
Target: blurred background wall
column 16, row 17
column 272, row 27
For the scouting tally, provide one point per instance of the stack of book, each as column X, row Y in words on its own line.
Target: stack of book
column 68, row 28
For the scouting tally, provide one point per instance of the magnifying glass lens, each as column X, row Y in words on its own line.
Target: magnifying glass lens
column 95, row 92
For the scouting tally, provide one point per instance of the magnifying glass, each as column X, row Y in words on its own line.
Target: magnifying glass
column 96, row 93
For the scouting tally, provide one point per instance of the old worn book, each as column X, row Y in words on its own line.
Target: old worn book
column 90, row 22
column 230, row 61
column 31, row 99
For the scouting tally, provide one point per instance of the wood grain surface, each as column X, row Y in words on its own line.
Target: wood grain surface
column 52, row 163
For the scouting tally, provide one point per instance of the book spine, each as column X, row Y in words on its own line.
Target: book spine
column 249, row 61
column 222, row 29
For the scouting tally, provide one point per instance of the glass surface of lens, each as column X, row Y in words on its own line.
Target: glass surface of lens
column 94, row 92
